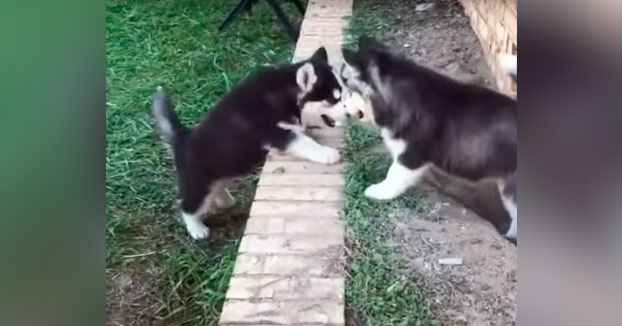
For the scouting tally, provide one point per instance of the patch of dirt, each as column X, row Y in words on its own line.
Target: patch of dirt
column 439, row 37
column 481, row 290
column 140, row 291
column 127, row 299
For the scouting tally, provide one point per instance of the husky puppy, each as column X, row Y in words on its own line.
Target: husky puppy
column 427, row 119
column 261, row 113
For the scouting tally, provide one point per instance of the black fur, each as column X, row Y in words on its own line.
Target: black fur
column 234, row 137
column 464, row 129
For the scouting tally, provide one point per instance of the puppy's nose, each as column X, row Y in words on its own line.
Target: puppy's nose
column 348, row 115
column 360, row 114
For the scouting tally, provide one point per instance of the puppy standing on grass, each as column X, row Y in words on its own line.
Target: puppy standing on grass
column 428, row 119
column 260, row 114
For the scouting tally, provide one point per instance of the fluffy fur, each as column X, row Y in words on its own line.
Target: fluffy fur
column 261, row 113
column 427, row 119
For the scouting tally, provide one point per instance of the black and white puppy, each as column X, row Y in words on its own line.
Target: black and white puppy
column 261, row 113
column 428, row 119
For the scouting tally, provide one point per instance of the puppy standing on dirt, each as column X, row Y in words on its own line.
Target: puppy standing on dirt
column 428, row 119
column 260, row 114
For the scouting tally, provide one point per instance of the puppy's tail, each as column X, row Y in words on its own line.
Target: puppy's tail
column 510, row 65
column 172, row 132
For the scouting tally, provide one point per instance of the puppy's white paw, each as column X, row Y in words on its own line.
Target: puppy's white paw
column 327, row 156
column 380, row 191
column 198, row 231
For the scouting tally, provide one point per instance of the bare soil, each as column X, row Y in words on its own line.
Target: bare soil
column 482, row 289
column 440, row 38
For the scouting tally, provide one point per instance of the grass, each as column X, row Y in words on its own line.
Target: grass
column 382, row 289
column 172, row 43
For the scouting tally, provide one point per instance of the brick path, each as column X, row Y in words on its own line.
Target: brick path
column 289, row 269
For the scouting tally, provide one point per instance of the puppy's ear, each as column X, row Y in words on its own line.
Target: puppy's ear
column 320, row 55
column 306, row 77
column 349, row 57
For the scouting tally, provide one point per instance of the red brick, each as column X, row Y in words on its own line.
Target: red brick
column 249, row 264
column 510, row 22
column 278, row 168
column 295, row 209
column 285, row 287
column 300, row 193
column 302, row 180
column 283, row 313
column 289, row 244
column 314, row 226
column 323, row 27
column 328, row 264
column 310, row 250
column 273, row 225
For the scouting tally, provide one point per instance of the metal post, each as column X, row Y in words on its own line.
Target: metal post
column 243, row 4
column 284, row 20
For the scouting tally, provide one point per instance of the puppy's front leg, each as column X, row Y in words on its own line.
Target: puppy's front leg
column 398, row 180
column 305, row 147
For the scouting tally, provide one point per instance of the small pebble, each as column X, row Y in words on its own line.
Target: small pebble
column 424, row 7
column 279, row 170
column 450, row 261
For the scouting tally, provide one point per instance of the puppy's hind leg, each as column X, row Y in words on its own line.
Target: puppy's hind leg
column 222, row 197
column 509, row 196
column 482, row 196
column 197, row 199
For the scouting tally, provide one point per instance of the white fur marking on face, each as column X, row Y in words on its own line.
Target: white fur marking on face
column 354, row 103
column 306, row 78
column 195, row 227
column 356, row 94
column 385, row 92
column 336, row 94
column 305, row 147
column 354, row 82
column 312, row 111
